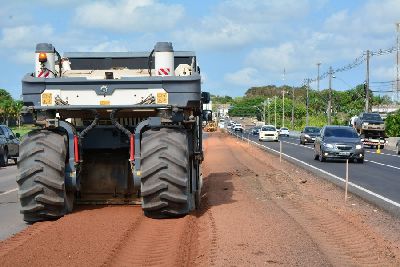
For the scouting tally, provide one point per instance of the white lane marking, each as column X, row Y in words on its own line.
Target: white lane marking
column 386, row 154
column 394, row 203
column 9, row 191
column 382, row 164
column 298, row 145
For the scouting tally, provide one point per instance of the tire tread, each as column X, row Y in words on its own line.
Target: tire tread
column 165, row 175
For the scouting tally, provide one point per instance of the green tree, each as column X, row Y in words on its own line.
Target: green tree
column 6, row 106
column 393, row 124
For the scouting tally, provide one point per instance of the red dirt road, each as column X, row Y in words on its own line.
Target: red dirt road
column 255, row 212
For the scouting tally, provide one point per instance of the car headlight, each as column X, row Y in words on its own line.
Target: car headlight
column 365, row 123
column 306, row 136
column 328, row 145
column 359, row 146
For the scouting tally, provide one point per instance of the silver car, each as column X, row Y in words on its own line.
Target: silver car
column 338, row 142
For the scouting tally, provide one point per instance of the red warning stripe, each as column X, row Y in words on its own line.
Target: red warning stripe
column 163, row 71
column 46, row 73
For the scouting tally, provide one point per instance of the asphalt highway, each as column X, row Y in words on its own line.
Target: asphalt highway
column 10, row 219
column 378, row 178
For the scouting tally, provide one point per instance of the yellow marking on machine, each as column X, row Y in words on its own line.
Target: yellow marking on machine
column 162, row 98
column 47, row 99
column 104, row 102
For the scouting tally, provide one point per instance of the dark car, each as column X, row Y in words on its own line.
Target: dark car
column 309, row 134
column 338, row 142
column 256, row 130
column 9, row 145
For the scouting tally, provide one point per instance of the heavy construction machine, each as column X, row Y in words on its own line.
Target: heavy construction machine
column 115, row 128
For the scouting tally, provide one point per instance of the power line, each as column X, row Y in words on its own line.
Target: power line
column 355, row 63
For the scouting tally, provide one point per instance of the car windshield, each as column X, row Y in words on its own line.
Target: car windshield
column 284, row 129
column 372, row 116
column 268, row 128
column 312, row 130
column 340, row 132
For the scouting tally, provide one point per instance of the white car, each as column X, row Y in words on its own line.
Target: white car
column 284, row 131
column 268, row 133
column 238, row 128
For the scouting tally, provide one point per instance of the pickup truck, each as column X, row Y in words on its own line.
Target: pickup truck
column 371, row 129
column 9, row 145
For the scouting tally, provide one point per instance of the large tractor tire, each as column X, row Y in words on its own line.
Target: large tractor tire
column 165, row 176
column 41, row 175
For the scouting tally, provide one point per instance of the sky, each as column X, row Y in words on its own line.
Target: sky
column 238, row 43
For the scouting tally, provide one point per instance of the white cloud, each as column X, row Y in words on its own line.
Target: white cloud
column 244, row 77
column 109, row 46
column 255, row 11
column 274, row 58
column 128, row 15
column 226, row 35
column 235, row 24
column 25, row 36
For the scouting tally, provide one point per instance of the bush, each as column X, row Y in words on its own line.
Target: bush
column 393, row 124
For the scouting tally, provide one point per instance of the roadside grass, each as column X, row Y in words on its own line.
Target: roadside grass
column 23, row 129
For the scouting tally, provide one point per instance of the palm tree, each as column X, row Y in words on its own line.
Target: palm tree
column 6, row 109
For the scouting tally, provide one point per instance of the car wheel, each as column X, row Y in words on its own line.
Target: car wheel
column 360, row 161
column 316, row 156
column 398, row 149
column 4, row 158
column 320, row 157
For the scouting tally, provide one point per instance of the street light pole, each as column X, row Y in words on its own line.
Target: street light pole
column 330, row 97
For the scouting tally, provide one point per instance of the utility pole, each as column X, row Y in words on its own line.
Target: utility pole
column 275, row 111
column 367, row 85
column 330, row 97
column 264, row 103
column 307, row 101
column 269, row 119
column 292, row 122
column 283, row 108
column 318, row 64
